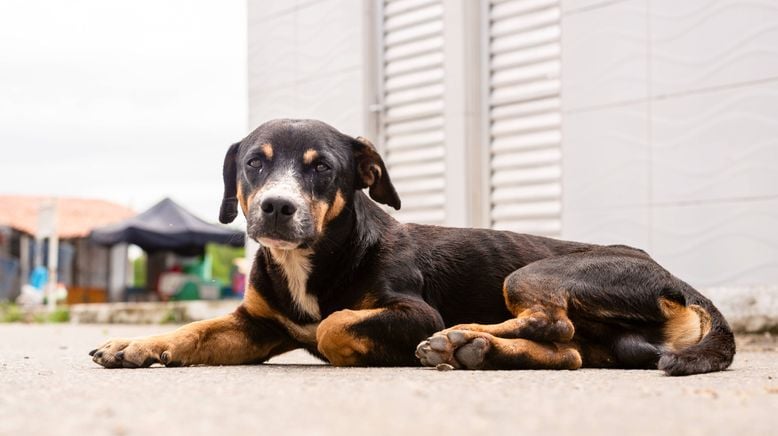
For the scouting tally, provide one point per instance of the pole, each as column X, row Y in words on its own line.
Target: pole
column 53, row 268
column 47, row 228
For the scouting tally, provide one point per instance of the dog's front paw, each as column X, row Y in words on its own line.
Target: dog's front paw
column 133, row 353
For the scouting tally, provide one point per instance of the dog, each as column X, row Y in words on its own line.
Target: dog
column 336, row 275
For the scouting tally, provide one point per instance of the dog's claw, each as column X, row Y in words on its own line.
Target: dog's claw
column 444, row 367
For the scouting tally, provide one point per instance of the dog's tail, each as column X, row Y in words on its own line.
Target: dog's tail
column 713, row 353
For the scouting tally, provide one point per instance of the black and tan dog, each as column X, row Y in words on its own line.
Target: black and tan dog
column 339, row 277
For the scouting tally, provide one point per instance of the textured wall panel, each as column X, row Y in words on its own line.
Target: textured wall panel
column 605, row 55
column 328, row 38
column 733, row 243
column 606, row 158
column 336, row 98
column 629, row 225
column 271, row 50
column 699, row 44
column 305, row 61
column 717, row 145
column 705, row 75
column 569, row 6
column 269, row 103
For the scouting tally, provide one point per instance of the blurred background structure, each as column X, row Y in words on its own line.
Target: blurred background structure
column 130, row 103
column 89, row 271
column 643, row 122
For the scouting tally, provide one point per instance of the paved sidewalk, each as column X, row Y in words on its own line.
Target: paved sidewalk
column 48, row 385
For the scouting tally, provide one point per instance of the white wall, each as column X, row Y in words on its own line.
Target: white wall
column 306, row 60
column 670, row 135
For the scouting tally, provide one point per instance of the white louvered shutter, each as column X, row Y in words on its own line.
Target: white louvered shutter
column 412, row 117
column 525, row 116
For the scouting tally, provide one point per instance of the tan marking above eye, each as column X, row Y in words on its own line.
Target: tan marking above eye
column 309, row 156
column 268, row 150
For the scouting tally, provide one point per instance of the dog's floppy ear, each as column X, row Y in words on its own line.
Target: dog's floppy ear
column 229, row 208
column 371, row 173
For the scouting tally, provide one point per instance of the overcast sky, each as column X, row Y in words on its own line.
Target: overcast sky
column 125, row 101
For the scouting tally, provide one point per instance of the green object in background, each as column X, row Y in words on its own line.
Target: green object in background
column 139, row 272
column 200, row 268
column 61, row 314
column 10, row 312
column 221, row 261
column 216, row 265
column 189, row 291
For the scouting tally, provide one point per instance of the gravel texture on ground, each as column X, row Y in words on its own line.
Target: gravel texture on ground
column 49, row 385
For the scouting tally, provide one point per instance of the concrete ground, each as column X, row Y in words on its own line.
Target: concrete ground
column 48, row 385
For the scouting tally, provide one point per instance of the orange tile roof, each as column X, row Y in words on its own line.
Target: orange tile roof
column 76, row 217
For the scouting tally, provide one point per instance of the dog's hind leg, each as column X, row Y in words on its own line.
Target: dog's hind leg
column 539, row 303
column 478, row 350
column 537, row 338
column 545, row 296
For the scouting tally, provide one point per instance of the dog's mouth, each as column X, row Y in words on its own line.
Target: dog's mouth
column 280, row 244
column 280, row 239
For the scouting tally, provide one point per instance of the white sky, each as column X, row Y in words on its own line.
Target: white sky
column 126, row 101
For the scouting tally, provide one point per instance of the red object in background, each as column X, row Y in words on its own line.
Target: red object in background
column 238, row 282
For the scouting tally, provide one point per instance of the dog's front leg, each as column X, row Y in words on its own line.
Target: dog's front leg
column 377, row 337
column 232, row 339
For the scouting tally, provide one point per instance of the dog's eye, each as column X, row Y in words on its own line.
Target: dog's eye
column 255, row 163
column 322, row 167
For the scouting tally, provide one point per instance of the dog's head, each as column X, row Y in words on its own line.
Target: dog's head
column 293, row 177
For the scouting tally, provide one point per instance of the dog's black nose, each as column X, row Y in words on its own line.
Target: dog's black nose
column 278, row 207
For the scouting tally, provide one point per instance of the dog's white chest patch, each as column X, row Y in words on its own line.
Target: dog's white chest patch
column 296, row 265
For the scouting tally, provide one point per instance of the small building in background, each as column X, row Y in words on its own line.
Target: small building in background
column 90, row 272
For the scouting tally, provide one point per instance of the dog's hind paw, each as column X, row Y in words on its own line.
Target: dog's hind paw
column 458, row 348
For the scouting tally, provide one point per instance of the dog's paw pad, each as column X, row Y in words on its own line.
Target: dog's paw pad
column 471, row 355
column 433, row 352
column 439, row 343
column 457, row 338
column 459, row 349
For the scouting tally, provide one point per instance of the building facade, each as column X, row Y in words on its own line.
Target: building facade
column 644, row 122
column 29, row 224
